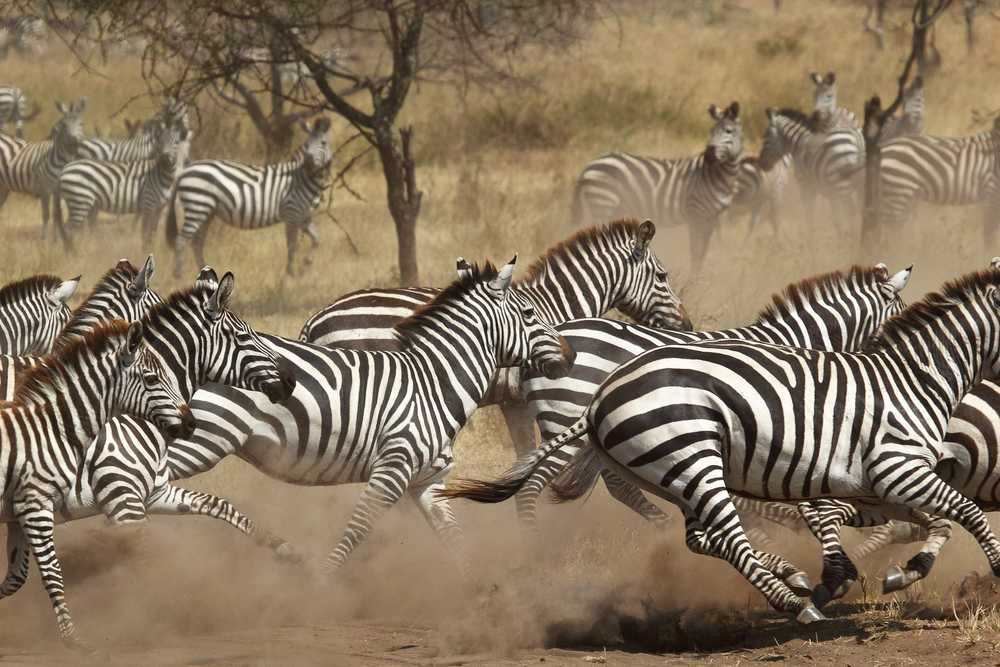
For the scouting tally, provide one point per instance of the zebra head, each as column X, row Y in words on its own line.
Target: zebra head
column 726, row 142
column 59, row 315
column 171, row 148
column 33, row 312
column 648, row 297
column 777, row 136
column 231, row 352
column 525, row 339
column 68, row 132
column 825, row 95
column 122, row 293
column 315, row 151
column 145, row 389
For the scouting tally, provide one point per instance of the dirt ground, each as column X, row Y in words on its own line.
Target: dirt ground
column 609, row 590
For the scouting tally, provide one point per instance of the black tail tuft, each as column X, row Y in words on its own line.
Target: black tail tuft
column 171, row 226
column 578, row 478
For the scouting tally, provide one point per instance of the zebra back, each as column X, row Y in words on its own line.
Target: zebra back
column 33, row 312
column 140, row 146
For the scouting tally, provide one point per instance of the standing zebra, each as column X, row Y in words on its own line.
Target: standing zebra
column 691, row 422
column 912, row 120
column 387, row 419
column 943, row 171
column 33, row 167
column 33, row 312
column 756, row 187
column 43, row 437
column 828, row 116
column 142, row 187
column 836, row 311
column 692, row 190
column 827, row 163
column 142, row 143
column 249, row 197
column 12, row 109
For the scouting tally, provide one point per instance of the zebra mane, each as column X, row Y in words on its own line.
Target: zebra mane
column 407, row 330
column 123, row 273
column 619, row 232
column 803, row 294
column 27, row 288
column 811, row 122
column 38, row 382
column 932, row 307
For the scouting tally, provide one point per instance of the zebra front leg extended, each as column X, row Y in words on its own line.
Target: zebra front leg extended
column 36, row 520
column 824, row 519
column 174, row 501
column 438, row 513
column 18, row 560
column 700, row 232
column 389, row 478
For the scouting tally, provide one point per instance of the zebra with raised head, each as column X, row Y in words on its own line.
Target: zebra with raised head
column 385, row 419
column 692, row 422
column 912, row 119
column 43, row 436
column 33, row 167
column 828, row 116
column 945, row 172
column 827, row 163
column 142, row 142
column 836, row 311
column 12, row 110
column 33, row 312
column 693, row 190
column 142, row 187
column 249, row 196
column 756, row 187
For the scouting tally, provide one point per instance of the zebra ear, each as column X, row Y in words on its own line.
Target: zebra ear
column 734, row 110
column 715, row 112
column 643, row 236
column 498, row 286
column 207, row 279
column 61, row 108
column 895, row 285
column 133, row 339
column 220, row 298
column 769, row 112
column 829, row 78
column 64, row 290
column 306, row 127
column 816, row 78
column 464, row 270
column 141, row 282
column 995, row 299
column 995, row 264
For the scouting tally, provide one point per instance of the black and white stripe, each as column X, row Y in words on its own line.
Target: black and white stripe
column 33, row 312
column 43, row 436
column 250, row 197
column 912, row 119
column 33, row 168
column 756, row 187
column 26, row 34
column 142, row 187
column 12, row 109
column 692, row 190
column 828, row 115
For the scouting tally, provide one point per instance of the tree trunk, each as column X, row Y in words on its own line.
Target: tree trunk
column 402, row 193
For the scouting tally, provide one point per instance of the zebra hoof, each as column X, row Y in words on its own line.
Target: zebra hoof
column 821, row 595
column 800, row 585
column 810, row 615
column 894, row 580
column 288, row 554
column 842, row 589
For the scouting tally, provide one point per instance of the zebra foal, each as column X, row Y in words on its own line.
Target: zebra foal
column 33, row 312
column 249, row 197
column 692, row 191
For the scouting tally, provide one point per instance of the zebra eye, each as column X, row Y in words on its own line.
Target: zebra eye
column 151, row 379
column 661, row 276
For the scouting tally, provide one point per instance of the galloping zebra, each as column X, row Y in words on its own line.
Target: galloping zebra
column 33, row 312
column 827, row 163
column 56, row 413
column 690, row 422
column 12, row 109
column 141, row 187
column 943, row 171
column 388, row 419
column 692, row 190
column 836, row 311
column 912, row 120
column 586, row 275
column 33, row 168
column 828, row 117
column 756, row 187
column 249, row 197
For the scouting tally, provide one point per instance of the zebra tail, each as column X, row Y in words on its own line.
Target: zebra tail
column 171, row 226
column 510, row 482
column 578, row 478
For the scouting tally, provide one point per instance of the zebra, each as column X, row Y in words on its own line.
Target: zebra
column 12, row 109
column 33, row 168
column 384, row 418
column 827, row 115
column 248, row 197
column 142, row 187
column 827, row 163
column 756, row 187
column 43, row 435
column 26, row 34
column 690, row 422
column 912, row 120
column 692, row 190
column 142, row 142
column 835, row 311
column 33, row 312
column 945, row 172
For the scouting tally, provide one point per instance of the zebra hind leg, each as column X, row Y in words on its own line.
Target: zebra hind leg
column 18, row 560
column 629, row 495
column 825, row 519
column 174, row 501
column 310, row 229
column 438, row 513
column 292, row 240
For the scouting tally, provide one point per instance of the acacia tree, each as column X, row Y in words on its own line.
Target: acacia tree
column 291, row 53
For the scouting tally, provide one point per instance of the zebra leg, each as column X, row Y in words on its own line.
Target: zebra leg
column 92, row 219
column 520, row 426
column 198, row 243
column 389, row 479
column 18, row 559
column 438, row 513
column 629, row 495
column 292, row 241
column 309, row 227
column 36, row 520
column 150, row 219
column 175, row 501
column 45, row 213
column 824, row 519
column 894, row 532
column 700, row 234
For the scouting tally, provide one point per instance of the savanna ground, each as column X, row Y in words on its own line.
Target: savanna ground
column 497, row 173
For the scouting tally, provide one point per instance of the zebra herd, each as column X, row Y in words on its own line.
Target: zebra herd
column 827, row 152
column 147, row 172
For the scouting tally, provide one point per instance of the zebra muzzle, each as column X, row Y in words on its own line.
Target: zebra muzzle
column 185, row 427
column 561, row 366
